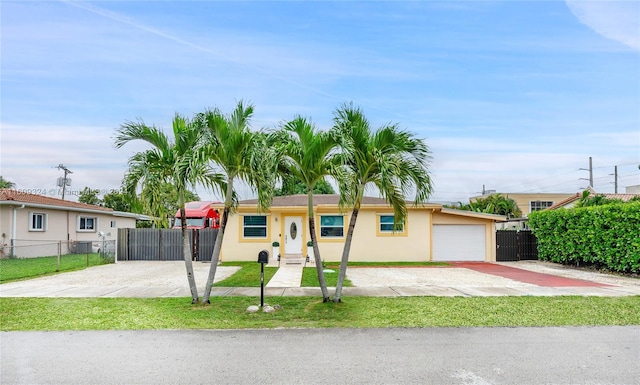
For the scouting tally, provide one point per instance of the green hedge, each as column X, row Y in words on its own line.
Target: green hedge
column 601, row 236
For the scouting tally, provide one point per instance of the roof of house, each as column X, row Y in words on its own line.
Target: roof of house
column 577, row 196
column 12, row 197
column 8, row 196
column 318, row 200
column 474, row 214
column 300, row 200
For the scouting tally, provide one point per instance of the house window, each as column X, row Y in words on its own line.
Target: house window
column 254, row 226
column 113, row 224
column 331, row 226
column 37, row 221
column 539, row 205
column 386, row 225
column 87, row 223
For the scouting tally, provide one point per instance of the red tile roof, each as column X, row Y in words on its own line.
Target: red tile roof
column 564, row 202
column 16, row 195
column 622, row 197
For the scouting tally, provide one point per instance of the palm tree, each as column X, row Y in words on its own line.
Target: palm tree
column 6, row 184
column 497, row 204
column 308, row 155
column 243, row 155
column 181, row 163
column 389, row 159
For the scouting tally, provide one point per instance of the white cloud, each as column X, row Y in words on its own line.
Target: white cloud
column 616, row 20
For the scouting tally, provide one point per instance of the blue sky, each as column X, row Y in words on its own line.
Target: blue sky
column 512, row 95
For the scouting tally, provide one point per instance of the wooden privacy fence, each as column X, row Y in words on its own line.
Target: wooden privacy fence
column 516, row 245
column 164, row 244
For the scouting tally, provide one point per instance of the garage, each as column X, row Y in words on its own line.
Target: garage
column 459, row 242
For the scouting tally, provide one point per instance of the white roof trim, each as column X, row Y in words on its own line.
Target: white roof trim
column 140, row 217
column 77, row 209
column 474, row 214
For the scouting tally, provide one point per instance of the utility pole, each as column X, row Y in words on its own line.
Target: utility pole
column 615, row 179
column 64, row 181
column 590, row 169
column 591, row 172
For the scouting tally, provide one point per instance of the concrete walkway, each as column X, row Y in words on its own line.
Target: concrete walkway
column 167, row 279
column 286, row 276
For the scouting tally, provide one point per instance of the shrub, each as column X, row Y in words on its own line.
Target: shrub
column 605, row 236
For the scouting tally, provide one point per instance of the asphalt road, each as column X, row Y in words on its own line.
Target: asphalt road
column 478, row 356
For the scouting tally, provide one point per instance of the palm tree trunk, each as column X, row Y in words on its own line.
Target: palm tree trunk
column 217, row 247
column 345, row 254
column 186, row 254
column 316, row 250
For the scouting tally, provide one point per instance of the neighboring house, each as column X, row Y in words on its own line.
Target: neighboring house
column 574, row 199
column 429, row 233
column 36, row 225
column 632, row 189
column 530, row 202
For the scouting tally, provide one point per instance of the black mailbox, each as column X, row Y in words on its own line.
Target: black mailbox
column 263, row 256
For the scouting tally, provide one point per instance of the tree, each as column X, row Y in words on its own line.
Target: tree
column 117, row 201
column 180, row 162
column 590, row 198
column 89, row 196
column 167, row 205
column 493, row 204
column 5, row 183
column 308, row 155
column 389, row 159
column 165, row 208
column 241, row 154
column 292, row 186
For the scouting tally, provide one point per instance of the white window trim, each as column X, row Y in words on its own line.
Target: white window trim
column 95, row 224
column 539, row 202
column 44, row 221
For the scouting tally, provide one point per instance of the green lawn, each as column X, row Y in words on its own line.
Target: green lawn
column 310, row 312
column 247, row 276
column 230, row 312
column 21, row 268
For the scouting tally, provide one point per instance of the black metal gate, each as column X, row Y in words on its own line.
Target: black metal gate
column 516, row 245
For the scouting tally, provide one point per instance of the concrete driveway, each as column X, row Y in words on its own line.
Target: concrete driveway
column 122, row 279
column 168, row 279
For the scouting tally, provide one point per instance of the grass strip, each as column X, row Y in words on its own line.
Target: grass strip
column 14, row 269
column 310, row 312
column 247, row 276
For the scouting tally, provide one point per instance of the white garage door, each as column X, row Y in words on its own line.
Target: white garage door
column 458, row 243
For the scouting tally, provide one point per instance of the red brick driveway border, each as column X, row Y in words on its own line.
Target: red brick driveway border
column 527, row 276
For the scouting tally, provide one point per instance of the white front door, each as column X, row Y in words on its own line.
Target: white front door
column 293, row 235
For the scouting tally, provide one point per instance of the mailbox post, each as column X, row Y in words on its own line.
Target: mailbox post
column 263, row 257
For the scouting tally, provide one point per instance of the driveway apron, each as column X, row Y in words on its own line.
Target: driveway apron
column 539, row 279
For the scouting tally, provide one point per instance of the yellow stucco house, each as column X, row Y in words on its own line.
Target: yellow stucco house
column 429, row 233
column 530, row 202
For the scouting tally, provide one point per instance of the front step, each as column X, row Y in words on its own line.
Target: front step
column 293, row 259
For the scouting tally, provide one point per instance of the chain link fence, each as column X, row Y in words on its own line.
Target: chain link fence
column 27, row 258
